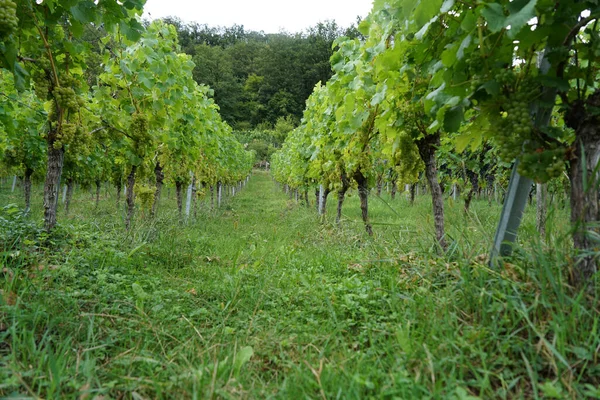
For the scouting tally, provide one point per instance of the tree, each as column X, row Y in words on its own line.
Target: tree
column 214, row 68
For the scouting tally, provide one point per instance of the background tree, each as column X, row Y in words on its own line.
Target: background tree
column 260, row 77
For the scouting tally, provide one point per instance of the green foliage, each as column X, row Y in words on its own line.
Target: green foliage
column 145, row 194
column 283, row 126
column 159, row 115
column 477, row 71
column 264, row 140
column 258, row 77
column 263, row 149
column 15, row 230
column 22, row 119
column 8, row 17
column 46, row 42
column 214, row 68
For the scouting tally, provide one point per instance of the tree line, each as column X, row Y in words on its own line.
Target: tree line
column 258, row 78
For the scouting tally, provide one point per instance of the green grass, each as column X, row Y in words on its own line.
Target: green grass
column 261, row 300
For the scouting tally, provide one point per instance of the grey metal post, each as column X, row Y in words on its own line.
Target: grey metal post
column 512, row 212
column 321, row 198
column 188, row 200
column 219, row 193
column 518, row 187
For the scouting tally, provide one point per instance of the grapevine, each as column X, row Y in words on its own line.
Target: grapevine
column 139, row 133
column 145, row 194
column 8, row 18
column 517, row 137
column 67, row 134
column 66, row 98
column 41, row 84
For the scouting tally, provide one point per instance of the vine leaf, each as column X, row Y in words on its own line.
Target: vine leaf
column 453, row 118
column 494, row 15
column 521, row 11
column 426, row 11
column 84, row 12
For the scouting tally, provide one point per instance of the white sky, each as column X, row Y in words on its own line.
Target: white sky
column 270, row 16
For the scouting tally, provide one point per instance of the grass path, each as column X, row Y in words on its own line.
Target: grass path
column 261, row 301
column 168, row 316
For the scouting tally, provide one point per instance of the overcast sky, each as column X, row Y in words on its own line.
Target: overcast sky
column 270, row 16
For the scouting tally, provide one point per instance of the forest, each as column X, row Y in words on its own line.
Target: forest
column 258, row 78
column 167, row 228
